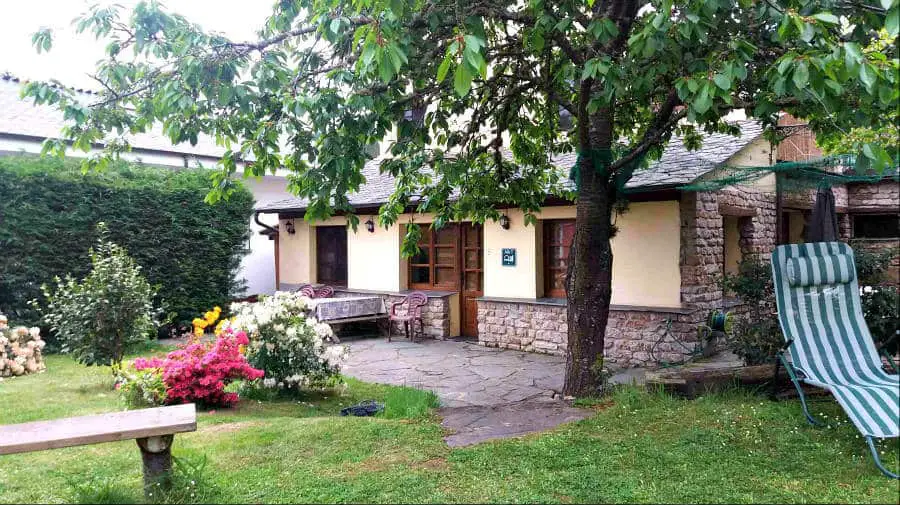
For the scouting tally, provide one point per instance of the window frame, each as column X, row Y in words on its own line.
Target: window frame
column 548, row 247
column 432, row 245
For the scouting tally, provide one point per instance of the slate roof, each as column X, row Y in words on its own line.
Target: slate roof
column 676, row 167
column 22, row 118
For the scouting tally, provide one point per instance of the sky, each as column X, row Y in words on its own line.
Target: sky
column 74, row 55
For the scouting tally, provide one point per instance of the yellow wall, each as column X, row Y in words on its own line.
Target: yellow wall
column 373, row 259
column 646, row 254
column 518, row 281
column 645, row 267
column 732, row 244
column 296, row 252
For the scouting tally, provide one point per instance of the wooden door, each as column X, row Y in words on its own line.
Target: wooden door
column 331, row 255
column 472, row 281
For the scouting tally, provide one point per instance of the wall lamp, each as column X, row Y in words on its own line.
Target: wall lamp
column 370, row 225
column 289, row 226
column 504, row 222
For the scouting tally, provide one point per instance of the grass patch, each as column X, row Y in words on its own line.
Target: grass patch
column 407, row 403
column 639, row 446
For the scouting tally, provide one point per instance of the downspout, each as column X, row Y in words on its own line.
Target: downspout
column 272, row 233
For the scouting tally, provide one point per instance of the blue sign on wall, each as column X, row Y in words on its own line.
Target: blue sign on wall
column 509, row 257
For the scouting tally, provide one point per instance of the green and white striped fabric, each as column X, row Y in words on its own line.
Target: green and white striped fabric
column 819, row 308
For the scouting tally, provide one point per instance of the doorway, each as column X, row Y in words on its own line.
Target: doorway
column 472, row 285
column 331, row 255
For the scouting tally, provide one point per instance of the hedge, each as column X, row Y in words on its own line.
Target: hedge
column 48, row 215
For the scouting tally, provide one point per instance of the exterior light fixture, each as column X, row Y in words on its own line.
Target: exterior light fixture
column 289, row 226
column 504, row 222
column 370, row 225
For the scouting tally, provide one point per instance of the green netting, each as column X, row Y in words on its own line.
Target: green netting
column 600, row 159
column 823, row 172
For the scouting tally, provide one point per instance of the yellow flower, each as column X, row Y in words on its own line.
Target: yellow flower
column 198, row 332
column 242, row 349
column 217, row 309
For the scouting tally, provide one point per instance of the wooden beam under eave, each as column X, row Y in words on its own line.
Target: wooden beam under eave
column 734, row 211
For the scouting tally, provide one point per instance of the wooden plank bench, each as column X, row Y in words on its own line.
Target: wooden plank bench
column 154, row 430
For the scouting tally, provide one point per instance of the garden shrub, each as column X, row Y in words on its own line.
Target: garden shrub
column 101, row 317
column 190, row 249
column 290, row 347
column 880, row 299
column 21, row 350
column 199, row 372
column 141, row 389
column 755, row 335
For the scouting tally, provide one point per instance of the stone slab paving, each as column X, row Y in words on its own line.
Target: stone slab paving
column 485, row 393
column 461, row 374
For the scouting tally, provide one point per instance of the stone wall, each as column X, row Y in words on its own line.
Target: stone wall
column 523, row 326
column 634, row 337
column 883, row 196
column 435, row 314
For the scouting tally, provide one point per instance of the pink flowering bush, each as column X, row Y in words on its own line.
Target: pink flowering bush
column 198, row 372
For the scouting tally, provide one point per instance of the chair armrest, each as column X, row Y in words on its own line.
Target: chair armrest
column 395, row 305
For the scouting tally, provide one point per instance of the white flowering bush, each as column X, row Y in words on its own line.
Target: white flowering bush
column 20, row 350
column 293, row 350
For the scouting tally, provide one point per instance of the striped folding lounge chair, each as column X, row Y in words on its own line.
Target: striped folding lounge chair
column 828, row 340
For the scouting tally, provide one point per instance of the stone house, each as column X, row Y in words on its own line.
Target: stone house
column 502, row 283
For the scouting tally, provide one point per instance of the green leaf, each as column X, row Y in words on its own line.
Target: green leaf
column 462, row 80
column 398, row 7
column 801, row 75
column 536, row 40
column 703, row 101
column 722, row 81
column 867, row 75
column 807, row 32
column 827, row 17
column 885, row 93
column 892, row 21
column 834, row 86
column 473, row 42
column 443, row 68
column 786, row 61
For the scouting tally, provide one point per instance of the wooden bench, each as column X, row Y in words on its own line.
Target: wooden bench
column 379, row 320
column 153, row 429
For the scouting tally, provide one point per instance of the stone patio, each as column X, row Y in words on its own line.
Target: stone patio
column 461, row 374
column 485, row 393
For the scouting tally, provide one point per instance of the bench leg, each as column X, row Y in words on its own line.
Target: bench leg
column 156, row 452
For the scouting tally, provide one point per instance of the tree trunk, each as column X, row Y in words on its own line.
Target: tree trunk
column 589, row 276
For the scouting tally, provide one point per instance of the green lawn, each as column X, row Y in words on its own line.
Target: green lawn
column 639, row 447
